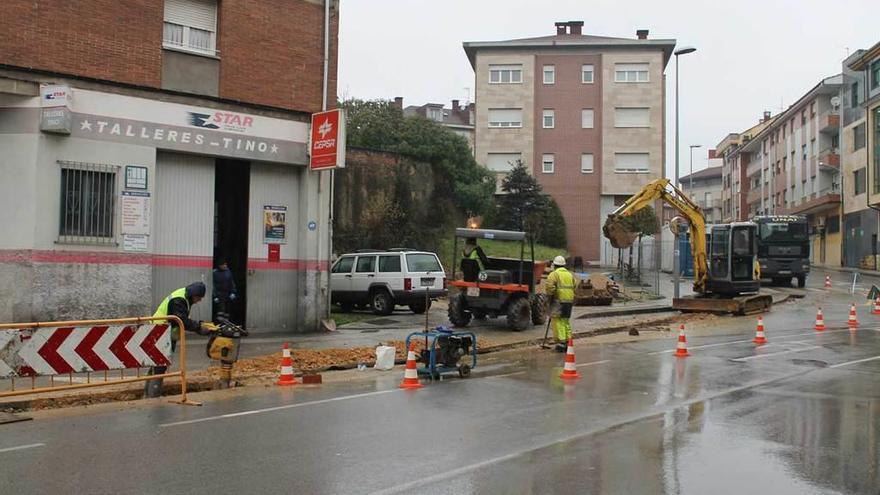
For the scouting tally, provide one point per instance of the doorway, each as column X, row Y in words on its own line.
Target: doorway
column 231, row 195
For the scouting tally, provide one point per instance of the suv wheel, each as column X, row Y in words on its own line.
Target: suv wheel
column 381, row 302
column 519, row 314
column 457, row 314
column 539, row 309
column 419, row 307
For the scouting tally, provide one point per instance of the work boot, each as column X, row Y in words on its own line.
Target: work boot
column 561, row 347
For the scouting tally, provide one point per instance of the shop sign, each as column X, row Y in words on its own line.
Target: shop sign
column 55, row 95
column 274, row 224
column 57, row 120
column 327, row 143
column 135, row 212
column 134, row 242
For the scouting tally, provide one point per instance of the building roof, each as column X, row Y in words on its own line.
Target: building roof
column 568, row 41
column 705, row 174
column 461, row 118
column 863, row 58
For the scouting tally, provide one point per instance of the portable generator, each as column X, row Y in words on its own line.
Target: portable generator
column 444, row 350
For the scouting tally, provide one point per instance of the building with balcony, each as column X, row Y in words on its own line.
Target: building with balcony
column 585, row 113
column 795, row 167
column 735, row 187
column 704, row 188
column 142, row 142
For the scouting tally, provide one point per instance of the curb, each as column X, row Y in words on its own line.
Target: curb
column 626, row 312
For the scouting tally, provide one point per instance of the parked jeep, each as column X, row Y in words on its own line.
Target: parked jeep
column 382, row 280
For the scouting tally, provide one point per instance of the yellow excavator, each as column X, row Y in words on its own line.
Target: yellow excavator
column 727, row 277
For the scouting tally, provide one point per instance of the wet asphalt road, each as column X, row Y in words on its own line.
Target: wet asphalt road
column 798, row 415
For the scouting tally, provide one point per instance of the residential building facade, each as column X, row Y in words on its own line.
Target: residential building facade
column 861, row 132
column 144, row 141
column 458, row 118
column 792, row 166
column 584, row 113
column 704, row 188
column 734, row 165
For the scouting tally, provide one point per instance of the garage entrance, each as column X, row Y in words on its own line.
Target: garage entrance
column 231, row 199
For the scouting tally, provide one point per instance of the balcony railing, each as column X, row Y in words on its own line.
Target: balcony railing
column 829, row 157
column 708, row 205
column 829, row 122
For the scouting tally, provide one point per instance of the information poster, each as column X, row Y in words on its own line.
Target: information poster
column 274, row 224
column 136, row 212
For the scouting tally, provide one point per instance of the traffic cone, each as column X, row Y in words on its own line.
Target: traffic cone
column 286, row 377
column 569, row 370
column 820, row 321
column 759, row 333
column 827, row 281
column 681, row 348
column 853, row 320
column 411, row 374
column 876, row 310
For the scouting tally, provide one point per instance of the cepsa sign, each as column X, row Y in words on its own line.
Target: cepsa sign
column 327, row 148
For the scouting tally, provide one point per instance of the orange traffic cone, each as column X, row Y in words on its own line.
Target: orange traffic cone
column 681, row 348
column 876, row 310
column 286, row 377
column 853, row 321
column 820, row 320
column 569, row 370
column 411, row 374
column 759, row 333
column 827, row 281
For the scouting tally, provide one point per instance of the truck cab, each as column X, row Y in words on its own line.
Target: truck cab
column 784, row 248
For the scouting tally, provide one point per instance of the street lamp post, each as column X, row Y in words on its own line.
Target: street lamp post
column 691, row 175
column 676, row 269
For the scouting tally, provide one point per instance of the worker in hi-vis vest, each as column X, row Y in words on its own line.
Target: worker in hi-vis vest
column 560, row 289
column 178, row 303
column 474, row 252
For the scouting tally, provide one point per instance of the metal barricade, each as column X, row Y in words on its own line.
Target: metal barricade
column 27, row 351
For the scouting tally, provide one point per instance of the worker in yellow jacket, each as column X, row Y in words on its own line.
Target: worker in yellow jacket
column 560, row 289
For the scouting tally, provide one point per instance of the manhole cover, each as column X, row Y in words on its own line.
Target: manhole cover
column 810, row 362
column 381, row 321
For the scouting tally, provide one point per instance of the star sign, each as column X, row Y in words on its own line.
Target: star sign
column 85, row 125
column 274, row 148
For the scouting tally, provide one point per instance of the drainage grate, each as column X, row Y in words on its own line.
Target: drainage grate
column 381, row 321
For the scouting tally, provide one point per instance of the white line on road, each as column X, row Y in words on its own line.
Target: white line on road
column 855, row 362
column 23, row 447
column 592, row 363
column 721, row 344
column 278, row 408
column 759, row 356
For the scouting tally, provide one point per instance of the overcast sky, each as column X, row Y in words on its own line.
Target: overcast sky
column 752, row 55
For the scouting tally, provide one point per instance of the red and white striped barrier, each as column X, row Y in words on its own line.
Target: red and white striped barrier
column 61, row 350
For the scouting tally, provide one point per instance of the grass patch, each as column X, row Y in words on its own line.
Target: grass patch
column 353, row 317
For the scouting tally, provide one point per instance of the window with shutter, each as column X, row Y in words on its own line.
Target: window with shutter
column 191, row 25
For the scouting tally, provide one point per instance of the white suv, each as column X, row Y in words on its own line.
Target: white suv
column 385, row 279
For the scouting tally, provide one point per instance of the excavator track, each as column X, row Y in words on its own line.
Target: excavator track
column 741, row 305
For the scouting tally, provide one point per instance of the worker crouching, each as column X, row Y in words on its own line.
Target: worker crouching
column 559, row 287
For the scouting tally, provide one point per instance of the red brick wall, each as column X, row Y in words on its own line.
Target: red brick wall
column 271, row 52
column 577, row 194
column 105, row 39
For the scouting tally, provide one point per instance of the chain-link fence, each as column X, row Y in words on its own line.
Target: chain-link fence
column 637, row 268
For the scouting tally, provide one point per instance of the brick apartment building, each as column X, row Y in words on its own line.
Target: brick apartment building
column 791, row 166
column 143, row 140
column 585, row 113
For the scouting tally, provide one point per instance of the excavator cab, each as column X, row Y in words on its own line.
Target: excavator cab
column 733, row 250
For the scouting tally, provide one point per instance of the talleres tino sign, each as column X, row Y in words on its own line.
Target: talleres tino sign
column 327, row 140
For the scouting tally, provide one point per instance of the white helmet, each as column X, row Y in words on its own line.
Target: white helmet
column 559, row 261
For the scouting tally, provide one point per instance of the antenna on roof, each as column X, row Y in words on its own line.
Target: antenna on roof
column 467, row 100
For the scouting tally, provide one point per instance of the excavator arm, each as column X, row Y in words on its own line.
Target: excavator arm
column 615, row 229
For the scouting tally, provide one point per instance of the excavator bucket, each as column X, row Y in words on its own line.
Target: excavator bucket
column 617, row 231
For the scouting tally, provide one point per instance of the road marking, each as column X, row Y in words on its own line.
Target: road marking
column 759, row 356
column 855, row 362
column 592, row 363
column 22, row 447
column 278, row 408
column 720, row 344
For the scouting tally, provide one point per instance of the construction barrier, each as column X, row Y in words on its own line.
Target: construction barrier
column 50, row 349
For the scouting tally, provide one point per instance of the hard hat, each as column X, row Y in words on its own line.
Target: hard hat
column 559, row 261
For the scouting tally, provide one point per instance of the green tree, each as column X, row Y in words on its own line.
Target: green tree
column 379, row 125
column 526, row 207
